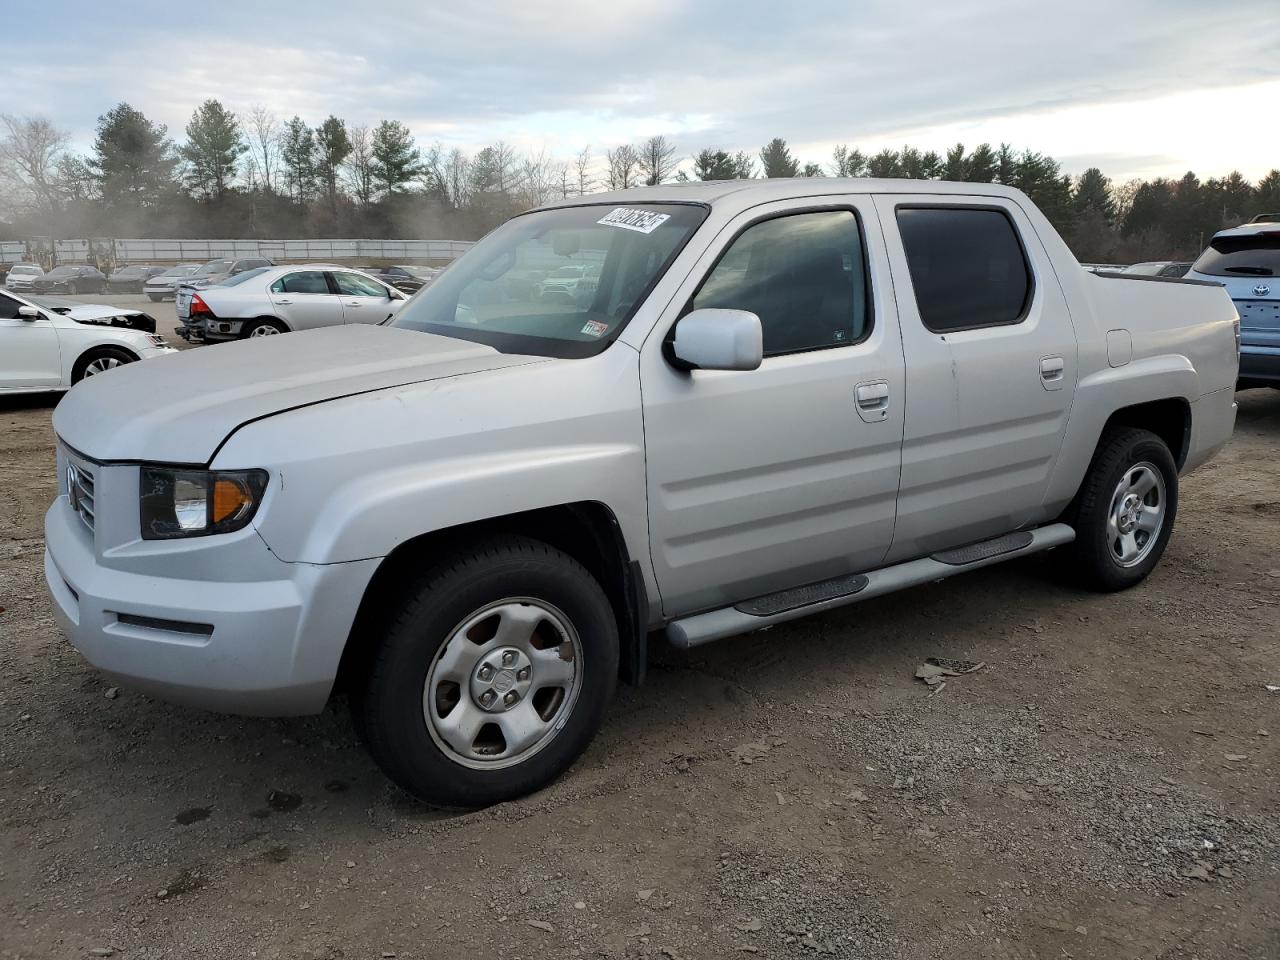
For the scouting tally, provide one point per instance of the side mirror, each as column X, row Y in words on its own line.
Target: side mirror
column 28, row 313
column 713, row 339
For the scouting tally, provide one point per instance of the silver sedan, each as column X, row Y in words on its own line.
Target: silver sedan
column 271, row 300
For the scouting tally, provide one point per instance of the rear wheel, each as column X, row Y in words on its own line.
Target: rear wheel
column 73, row 288
column 154, row 298
column 263, row 328
column 100, row 361
column 494, row 676
column 1124, row 513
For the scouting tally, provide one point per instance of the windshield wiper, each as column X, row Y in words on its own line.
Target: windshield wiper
column 1251, row 271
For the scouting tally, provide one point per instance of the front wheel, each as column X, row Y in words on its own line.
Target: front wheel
column 1124, row 513
column 494, row 676
column 100, row 361
column 73, row 289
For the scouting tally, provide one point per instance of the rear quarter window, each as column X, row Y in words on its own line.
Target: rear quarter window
column 967, row 265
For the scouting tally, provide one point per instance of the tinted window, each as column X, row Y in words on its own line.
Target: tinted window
column 307, row 281
column 354, row 285
column 967, row 267
column 802, row 275
column 1255, row 256
column 8, row 308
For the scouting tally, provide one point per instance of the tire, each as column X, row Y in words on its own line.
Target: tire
column 263, row 327
column 98, row 361
column 1130, row 491
column 153, row 298
column 72, row 289
column 451, row 624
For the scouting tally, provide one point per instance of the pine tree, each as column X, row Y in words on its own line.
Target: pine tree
column 777, row 161
column 133, row 161
column 213, row 149
column 396, row 161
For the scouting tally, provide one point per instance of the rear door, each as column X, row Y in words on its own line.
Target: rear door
column 304, row 301
column 772, row 478
column 364, row 300
column 991, row 367
column 29, row 354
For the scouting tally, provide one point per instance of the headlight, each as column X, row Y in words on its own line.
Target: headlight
column 195, row 503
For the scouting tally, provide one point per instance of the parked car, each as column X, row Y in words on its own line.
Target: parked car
column 22, row 275
column 71, row 280
column 216, row 271
column 408, row 278
column 1246, row 260
column 45, row 347
column 784, row 396
column 164, row 286
column 573, row 281
column 267, row 301
column 1158, row 268
column 131, row 279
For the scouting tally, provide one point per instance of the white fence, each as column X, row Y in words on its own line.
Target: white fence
column 196, row 251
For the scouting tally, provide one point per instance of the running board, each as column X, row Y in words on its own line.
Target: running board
column 840, row 591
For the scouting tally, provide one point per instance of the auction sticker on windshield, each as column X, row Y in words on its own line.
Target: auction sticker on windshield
column 641, row 221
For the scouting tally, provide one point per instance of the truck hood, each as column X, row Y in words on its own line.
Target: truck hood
column 179, row 408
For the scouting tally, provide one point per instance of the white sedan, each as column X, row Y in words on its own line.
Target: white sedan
column 55, row 347
column 271, row 300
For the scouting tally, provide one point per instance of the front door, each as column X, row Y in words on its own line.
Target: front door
column 29, row 354
column 303, row 300
column 991, row 359
column 784, row 475
column 364, row 300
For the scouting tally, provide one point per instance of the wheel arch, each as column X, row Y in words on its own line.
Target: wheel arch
column 1168, row 418
column 588, row 531
column 266, row 316
column 88, row 353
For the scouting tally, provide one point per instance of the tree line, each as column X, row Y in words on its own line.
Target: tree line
column 261, row 175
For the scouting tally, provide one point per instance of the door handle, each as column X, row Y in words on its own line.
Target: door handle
column 872, row 399
column 283, row 300
column 1051, row 372
column 351, row 303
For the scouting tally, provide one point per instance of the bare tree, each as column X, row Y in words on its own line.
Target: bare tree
column 582, row 170
column 29, row 154
column 657, row 160
column 264, row 140
column 359, row 165
column 624, row 164
column 457, row 172
column 541, row 178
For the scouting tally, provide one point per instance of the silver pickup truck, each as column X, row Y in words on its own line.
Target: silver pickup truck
column 774, row 398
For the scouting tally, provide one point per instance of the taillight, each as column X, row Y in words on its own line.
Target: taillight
column 198, row 306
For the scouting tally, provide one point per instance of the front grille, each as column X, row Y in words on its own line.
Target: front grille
column 80, row 491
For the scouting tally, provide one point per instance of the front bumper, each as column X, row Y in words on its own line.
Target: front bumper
column 267, row 646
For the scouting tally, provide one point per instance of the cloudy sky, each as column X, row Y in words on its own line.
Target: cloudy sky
column 1138, row 88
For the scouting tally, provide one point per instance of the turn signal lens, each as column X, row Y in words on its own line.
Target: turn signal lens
column 230, row 498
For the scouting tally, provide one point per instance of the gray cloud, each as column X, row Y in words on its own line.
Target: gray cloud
column 732, row 74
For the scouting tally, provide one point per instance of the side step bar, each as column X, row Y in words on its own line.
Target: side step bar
column 840, row 591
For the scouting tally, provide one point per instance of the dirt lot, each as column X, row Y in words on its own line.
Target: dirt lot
column 1106, row 788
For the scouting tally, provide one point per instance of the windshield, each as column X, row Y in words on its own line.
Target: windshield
column 240, row 278
column 180, row 271
column 61, row 272
column 214, row 266
column 1241, row 256
column 496, row 294
column 23, row 269
column 128, row 272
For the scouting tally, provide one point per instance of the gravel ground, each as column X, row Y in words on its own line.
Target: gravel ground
column 1105, row 788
